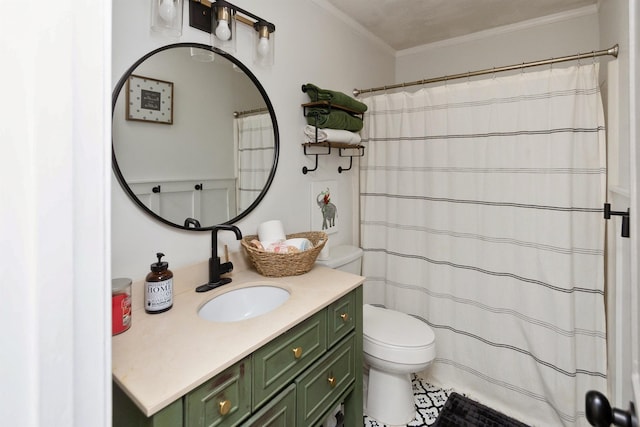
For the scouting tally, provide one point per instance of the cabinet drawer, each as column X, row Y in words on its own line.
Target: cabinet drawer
column 319, row 388
column 341, row 318
column 278, row 362
column 224, row 400
column 279, row 412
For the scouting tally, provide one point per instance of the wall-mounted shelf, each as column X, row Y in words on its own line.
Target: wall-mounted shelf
column 328, row 146
column 325, row 147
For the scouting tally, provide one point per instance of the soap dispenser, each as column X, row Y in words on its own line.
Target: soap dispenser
column 158, row 287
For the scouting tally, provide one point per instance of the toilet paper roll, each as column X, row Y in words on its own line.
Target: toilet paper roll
column 271, row 231
column 301, row 243
column 324, row 253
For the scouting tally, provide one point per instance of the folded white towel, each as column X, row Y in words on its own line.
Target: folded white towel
column 332, row 135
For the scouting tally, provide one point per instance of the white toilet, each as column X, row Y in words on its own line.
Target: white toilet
column 395, row 346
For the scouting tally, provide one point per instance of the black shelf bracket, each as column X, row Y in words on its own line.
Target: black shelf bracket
column 625, row 218
column 306, row 169
column 350, row 156
column 340, row 168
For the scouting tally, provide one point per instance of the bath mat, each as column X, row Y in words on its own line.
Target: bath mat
column 460, row 411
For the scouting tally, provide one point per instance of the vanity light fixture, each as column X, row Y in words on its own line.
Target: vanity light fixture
column 219, row 19
column 223, row 23
column 263, row 53
column 166, row 17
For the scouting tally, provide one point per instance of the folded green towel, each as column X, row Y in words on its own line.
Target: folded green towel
column 335, row 98
column 333, row 119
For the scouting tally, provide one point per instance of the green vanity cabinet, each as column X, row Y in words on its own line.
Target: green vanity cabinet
column 341, row 317
column 279, row 412
column 280, row 361
column 127, row 414
column 319, row 388
column 297, row 379
column 223, row 400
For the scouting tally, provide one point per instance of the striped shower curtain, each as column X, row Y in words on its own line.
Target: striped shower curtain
column 255, row 149
column 481, row 213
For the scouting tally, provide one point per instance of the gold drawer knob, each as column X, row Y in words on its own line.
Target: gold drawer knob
column 297, row 352
column 344, row 317
column 225, row 407
column 332, row 381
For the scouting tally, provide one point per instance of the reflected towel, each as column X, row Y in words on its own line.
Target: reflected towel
column 334, row 119
column 336, row 98
column 333, row 135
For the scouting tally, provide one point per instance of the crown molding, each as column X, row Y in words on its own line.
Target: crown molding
column 354, row 25
column 549, row 19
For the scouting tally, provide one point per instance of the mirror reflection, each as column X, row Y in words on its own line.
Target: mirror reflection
column 195, row 143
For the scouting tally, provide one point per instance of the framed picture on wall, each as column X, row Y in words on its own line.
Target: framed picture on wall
column 324, row 206
column 149, row 100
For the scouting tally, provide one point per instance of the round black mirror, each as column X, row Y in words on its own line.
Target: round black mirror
column 195, row 137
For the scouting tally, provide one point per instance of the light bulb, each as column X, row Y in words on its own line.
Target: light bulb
column 263, row 46
column 222, row 30
column 167, row 10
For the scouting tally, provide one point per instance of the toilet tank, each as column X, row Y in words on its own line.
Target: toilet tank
column 345, row 258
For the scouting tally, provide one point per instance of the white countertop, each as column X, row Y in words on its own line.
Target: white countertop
column 164, row 356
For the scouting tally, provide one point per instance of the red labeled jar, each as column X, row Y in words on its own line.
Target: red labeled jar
column 120, row 305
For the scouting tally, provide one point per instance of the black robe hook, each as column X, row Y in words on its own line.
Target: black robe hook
column 626, row 227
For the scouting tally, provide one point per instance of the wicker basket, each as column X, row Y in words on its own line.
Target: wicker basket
column 280, row 265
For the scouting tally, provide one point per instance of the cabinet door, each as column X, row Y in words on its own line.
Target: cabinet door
column 279, row 412
column 280, row 361
column 320, row 387
column 353, row 401
column 127, row 414
column 341, row 318
column 224, row 400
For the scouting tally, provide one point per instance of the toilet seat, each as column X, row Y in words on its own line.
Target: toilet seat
column 396, row 337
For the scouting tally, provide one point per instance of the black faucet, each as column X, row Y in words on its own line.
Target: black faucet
column 215, row 267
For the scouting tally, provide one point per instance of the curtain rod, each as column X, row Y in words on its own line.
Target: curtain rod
column 613, row 51
column 237, row 114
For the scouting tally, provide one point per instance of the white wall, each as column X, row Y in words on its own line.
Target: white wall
column 614, row 28
column 312, row 46
column 553, row 36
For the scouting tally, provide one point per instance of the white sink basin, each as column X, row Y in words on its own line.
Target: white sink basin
column 244, row 303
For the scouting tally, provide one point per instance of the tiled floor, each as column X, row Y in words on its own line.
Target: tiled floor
column 429, row 400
